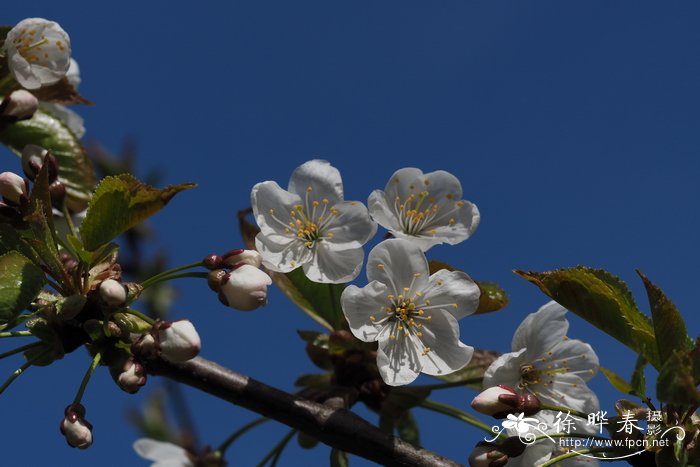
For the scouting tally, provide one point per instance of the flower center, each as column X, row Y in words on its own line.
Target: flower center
column 420, row 214
column 528, row 375
column 33, row 49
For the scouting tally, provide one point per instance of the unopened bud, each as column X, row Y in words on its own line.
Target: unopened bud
column 32, row 159
column 245, row 288
column 145, row 345
column 178, row 341
column 212, row 262
column 113, row 293
column 489, row 401
column 57, row 190
column 487, row 455
column 13, row 187
column 130, row 376
column 234, row 257
column 18, row 105
column 77, row 430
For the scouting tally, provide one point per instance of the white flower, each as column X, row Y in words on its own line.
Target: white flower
column 12, row 187
column 412, row 315
column 546, row 363
column 38, row 52
column 311, row 226
column 163, row 454
column 427, row 209
column 245, row 287
column 18, row 105
column 72, row 120
column 178, row 341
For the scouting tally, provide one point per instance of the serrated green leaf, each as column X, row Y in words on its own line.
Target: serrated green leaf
column 21, row 283
column 638, row 381
column 339, row 458
column 604, row 301
column 491, row 298
column 120, row 203
column 473, row 373
column 675, row 384
column 669, row 327
column 74, row 168
column 617, row 381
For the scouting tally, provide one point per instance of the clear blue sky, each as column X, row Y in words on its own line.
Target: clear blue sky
column 574, row 126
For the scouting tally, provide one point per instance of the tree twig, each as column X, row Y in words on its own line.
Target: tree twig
column 339, row 428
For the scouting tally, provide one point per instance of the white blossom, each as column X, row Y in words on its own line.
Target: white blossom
column 71, row 119
column 412, row 314
column 163, row 454
column 178, row 341
column 12, row 187
column 427, row 209
column 546, row 363
column 38, row 52
column 310, row 225
column 18, row 105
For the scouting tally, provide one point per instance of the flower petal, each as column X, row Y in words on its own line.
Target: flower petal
column 360, row 304
column 567, row 390
column 272, row 206
column 382, row 211
column 466, row 219
column 351, row 227
column 322, row 177
column 455, row 290
column 400, row 183
column 333, row 266
column 542, row 330
column 505, row 370
column 447, row 354
column 396, row 262
column 398, row 360
column 281, row 254
column 574, row 357
column 159, row 450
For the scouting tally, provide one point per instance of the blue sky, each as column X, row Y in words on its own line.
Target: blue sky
column 572, row 125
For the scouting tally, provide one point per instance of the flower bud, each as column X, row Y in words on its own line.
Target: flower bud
column 19, row 105
column 178, row 340
column 113, row 293
column 487, row 455
column 245, row 288
column 489, row 401
column 33, row 158
column 131, row 376
column 214, row 279
column 77, row 430
column 234, row 257
column 144, row 346
column 212, row 262
column 13, row 187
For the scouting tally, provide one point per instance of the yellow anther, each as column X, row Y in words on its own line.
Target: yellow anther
column 426, row 182
column 406, row 289
column 433, row 232
column 451, row 221
column 372, row 318
column 460, row 204
column 381, row 266
column 315, row 203
column 419, row 294
column 271, row 211
column 454, row 305
column 325, row 201
column 419, row 334
column 309, row 189
column 440, row 282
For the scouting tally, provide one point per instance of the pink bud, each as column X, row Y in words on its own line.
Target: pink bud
column 113, row 293
column 77, row 430
column 12, row 187
column 495, row 400
column 178, row 340
column 235, row 257
column 487, row 455
column 245, row 288
column 132, row 376
column 19, row 105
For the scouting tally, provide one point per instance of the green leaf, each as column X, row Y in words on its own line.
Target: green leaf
column 21, row 283
column 74, row 168
column 120, row 203
column 675, row 384
column 492, row 298
column 669, row 327
column 473, row 373
column 10, row 240
column 638, row 381
column 604, row 301
column 617, row 381
column 339, row 458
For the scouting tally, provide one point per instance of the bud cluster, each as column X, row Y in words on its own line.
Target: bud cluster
column 244, row 285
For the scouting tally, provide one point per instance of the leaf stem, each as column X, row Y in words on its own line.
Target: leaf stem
column 15, row 374
column 454, row 412
column 151, row 282
column 240, row 432
column 156, row 278
column 571, row 454
column 276, row 451
column 138, row 314
column 12, row 352
column 16, row 334
column 88, row 374
column 69, row 221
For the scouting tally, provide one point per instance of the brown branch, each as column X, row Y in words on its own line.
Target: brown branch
column 339, row 428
